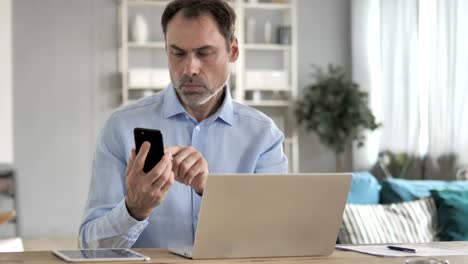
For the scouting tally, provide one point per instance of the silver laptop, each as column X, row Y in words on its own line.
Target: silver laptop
column 264, row 215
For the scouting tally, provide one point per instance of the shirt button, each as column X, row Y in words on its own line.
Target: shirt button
column 197, row 128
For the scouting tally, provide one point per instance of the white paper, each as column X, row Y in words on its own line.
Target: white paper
column 421, row 250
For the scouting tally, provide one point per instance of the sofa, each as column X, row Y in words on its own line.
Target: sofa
column 404, row 211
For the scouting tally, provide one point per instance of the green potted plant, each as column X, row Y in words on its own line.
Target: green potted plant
column 336, row 110
column 395, row 165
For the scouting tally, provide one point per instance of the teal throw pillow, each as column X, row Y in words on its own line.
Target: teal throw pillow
column 401, row 190
column 365, row 189
column 452, row 214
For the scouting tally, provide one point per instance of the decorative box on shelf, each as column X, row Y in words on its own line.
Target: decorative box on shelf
column 147, row 78
column 266, row 80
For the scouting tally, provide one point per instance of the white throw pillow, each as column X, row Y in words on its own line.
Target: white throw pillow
column 407, row 222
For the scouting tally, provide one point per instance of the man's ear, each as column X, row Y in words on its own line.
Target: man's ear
column 234, row 50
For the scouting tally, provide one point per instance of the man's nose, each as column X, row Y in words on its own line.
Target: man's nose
column 192, row 66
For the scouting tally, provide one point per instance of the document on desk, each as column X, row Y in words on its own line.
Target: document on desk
column 420, row 250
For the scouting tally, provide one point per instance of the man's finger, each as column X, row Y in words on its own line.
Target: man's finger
column 195, row 171
column 179, row 158
column 159, row 169
column 141, row 156
column 164, row 177
column 173, row 150
column 131, row 160
column 168, row 183
column 187, row 165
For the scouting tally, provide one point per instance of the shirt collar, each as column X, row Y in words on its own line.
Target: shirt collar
column 172, row 106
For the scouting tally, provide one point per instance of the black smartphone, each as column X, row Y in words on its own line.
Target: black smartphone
column 156, row 152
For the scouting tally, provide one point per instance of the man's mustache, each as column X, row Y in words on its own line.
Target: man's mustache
column 194, row 80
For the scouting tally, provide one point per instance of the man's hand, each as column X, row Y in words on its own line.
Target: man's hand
column 189, row 167
column 145, row 191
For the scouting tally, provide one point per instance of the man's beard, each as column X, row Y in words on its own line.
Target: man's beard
column 197, row 96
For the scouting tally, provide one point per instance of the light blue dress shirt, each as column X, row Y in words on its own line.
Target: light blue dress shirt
column 236, row 139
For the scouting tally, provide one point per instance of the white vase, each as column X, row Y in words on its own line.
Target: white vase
column 250, row 30
column 257, row 96
column 267, row 32
column 139, row 30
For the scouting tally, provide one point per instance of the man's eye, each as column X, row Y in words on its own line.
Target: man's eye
column 204, row 53
column 178, row 53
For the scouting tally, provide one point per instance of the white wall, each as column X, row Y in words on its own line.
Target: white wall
column 6, row 123
column 324, row 37
column 65, row 64
column 65, row 84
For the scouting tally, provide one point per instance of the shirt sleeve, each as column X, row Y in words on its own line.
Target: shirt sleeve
column 273, row 159
column 106, row 222
column 115, row 229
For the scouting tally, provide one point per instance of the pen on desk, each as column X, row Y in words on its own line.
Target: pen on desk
column 405, row 249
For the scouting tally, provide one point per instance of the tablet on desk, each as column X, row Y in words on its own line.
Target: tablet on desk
column 109, row 254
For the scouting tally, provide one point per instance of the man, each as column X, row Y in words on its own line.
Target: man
column 205, row 131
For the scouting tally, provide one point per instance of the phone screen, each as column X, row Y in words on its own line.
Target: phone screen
column 156, row 152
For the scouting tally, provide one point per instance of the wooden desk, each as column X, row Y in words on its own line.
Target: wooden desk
column 162, row 256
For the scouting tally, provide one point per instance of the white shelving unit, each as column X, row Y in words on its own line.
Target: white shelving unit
column 154, row 44
column 276, row 102
column 267, row 47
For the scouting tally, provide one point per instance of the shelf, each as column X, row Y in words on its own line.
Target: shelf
column 157, row 3
column 273, row 93
column 261, row 46
column 232, row 4
column 7, row 183
column 268, row 6
column 146, row 88
column 268, row 103
column 285, row 89
column 288, row 140
column 148, row 45
column 8, row 217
